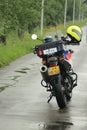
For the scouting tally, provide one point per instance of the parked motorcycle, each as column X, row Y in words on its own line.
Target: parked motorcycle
column 57, row 73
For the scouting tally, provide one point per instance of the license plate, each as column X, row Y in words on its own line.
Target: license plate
column 53, row 70
column 49, row 51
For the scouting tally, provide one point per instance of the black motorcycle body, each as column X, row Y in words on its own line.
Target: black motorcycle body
column 58, row 76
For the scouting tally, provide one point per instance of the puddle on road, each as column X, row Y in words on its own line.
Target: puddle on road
column 56, row 126
column 23, row 70
column 15, row 77
column 4, row 87
column 52, row 126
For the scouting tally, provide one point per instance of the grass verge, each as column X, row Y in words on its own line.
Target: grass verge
column 16, row 48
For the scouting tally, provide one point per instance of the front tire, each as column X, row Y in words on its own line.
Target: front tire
column 60, row 96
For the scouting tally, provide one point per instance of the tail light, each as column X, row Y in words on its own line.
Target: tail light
column 52, row 61
column 52, row 65
column 40, row 52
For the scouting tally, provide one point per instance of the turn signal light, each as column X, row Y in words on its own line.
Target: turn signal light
column 44, row 62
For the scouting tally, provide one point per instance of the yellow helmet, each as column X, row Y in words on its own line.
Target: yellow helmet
column 75, row 33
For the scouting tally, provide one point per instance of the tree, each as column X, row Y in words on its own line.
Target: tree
column 25, row 15
column 53, row 12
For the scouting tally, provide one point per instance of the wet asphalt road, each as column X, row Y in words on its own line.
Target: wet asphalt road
column 23, row 101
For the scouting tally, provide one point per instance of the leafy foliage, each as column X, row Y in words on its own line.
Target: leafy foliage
column 26, row 14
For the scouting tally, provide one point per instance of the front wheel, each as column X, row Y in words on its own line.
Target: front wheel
column 60, row 96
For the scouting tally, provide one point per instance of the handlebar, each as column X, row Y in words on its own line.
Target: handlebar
column 71, row 43
column 56, row 45
column 65, row 41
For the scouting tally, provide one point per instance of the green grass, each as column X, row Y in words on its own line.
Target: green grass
column 16, row 48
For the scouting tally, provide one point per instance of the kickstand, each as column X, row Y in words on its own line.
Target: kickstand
column 50, row 97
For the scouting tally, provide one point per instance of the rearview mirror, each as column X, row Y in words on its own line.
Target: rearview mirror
column 34, row 36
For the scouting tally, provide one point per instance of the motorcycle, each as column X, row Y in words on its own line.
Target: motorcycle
column 57, row 73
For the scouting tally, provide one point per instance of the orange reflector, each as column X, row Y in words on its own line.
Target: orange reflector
column 61, row 58
column 43, row 62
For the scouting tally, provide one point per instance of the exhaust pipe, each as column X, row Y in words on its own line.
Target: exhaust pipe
column 44, row 73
